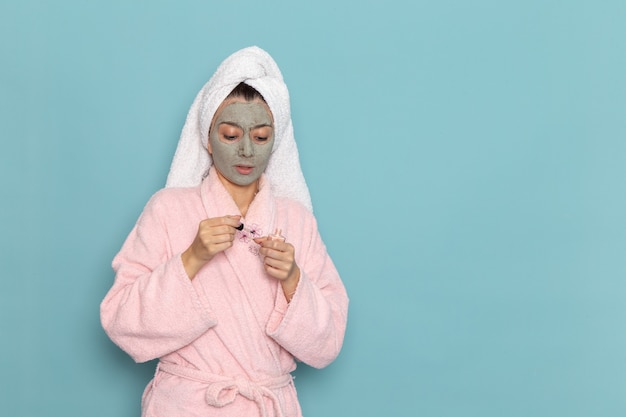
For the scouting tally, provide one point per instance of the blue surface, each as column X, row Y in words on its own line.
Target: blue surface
column 467, row 163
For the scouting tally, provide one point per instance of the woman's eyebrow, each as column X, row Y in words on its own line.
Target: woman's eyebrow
column 234, row 124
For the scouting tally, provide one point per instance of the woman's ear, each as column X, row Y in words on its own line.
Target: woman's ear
column 208, row 146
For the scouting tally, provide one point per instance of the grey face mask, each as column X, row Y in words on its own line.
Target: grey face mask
column 241, row 141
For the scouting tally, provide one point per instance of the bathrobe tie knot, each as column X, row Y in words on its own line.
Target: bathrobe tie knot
column 223, row 390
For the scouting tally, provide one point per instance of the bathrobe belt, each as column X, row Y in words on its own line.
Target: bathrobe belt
column 223, row 390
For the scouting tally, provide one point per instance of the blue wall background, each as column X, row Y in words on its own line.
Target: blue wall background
column 467, row 162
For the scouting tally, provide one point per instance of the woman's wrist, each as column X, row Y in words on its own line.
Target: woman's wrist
column 191, row 263
column 291, row 284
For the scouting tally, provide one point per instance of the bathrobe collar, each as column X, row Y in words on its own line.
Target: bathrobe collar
column 218, row 202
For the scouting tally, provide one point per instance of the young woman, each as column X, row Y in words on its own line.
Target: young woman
column 224, row 277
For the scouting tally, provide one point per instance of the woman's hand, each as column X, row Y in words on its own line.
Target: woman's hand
column 279, row 262
column 214, row 236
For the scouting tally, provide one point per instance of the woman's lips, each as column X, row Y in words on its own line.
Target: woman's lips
column 244, row 169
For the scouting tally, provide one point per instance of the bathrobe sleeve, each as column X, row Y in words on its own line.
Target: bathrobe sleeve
column 312, row 326
column 153, row 308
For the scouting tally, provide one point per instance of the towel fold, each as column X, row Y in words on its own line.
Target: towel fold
column 255, row 67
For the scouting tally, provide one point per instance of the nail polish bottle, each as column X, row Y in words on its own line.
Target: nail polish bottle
column 277, row 235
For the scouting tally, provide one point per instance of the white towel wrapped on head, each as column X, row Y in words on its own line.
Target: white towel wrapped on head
column 255, row 67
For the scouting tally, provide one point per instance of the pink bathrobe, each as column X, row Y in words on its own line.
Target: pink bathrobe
column 227, row 340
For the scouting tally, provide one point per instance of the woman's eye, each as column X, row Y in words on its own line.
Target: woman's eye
column 260, row 138
column 229, row 137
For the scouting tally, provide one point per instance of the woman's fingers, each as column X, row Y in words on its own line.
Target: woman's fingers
column 279, row 258
column 214, row 235
column 217, row 234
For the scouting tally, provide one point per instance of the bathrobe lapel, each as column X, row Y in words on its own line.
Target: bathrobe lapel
column 243, row 257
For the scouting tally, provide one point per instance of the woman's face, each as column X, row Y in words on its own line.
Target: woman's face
column 241, row 140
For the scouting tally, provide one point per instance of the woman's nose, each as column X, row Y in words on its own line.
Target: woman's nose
column 245, row 147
